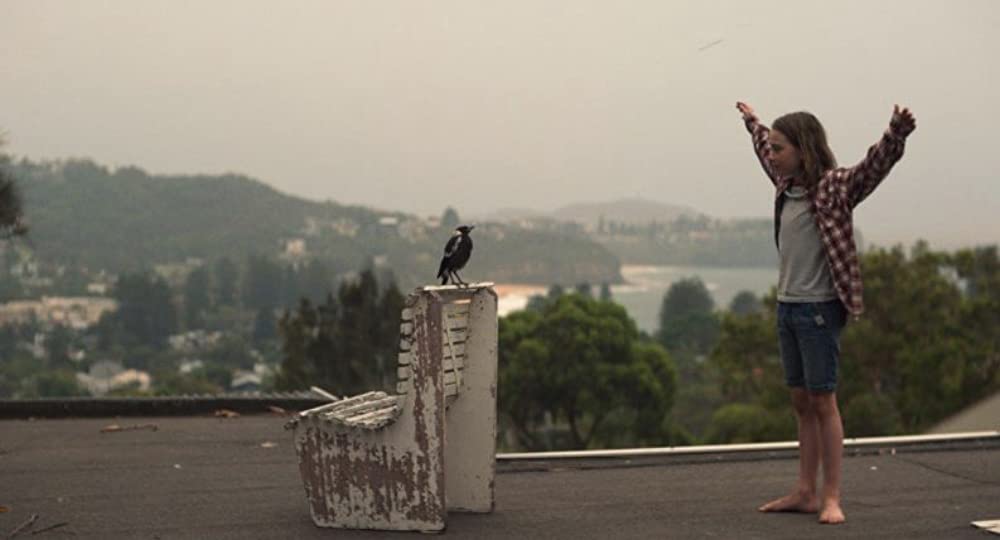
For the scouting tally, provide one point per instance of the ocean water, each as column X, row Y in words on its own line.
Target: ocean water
column 645, row 287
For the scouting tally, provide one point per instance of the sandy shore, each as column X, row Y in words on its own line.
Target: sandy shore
column 519, row 289
column 514, row 296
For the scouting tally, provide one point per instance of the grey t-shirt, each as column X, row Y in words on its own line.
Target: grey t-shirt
column 804, row 274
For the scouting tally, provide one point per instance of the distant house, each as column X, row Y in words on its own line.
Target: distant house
column 187, row 366
column 24, row 269
column 131, row 377
column 342, row 226
column 105, row 376
column 175, row 274
column 413, row 230
column 194, row 340
column 294, row 249
column 101, row 284
column 97, row 288
column 261, row 368
column 37, row 346
column 105, row 369
column 345, row 227
column 78, row 312
column 245, row 381
column 389, row 223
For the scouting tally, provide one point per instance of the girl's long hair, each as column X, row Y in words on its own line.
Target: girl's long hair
column 804, row 131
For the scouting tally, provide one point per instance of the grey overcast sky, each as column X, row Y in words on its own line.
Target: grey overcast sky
column 407, row 105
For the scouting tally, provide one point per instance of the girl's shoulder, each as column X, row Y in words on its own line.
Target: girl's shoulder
column 836, row 175
column 838, row 172
column 833, row 184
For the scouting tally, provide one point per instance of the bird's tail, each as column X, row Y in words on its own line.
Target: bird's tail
column 443, row 272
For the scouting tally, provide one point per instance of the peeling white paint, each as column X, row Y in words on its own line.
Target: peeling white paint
column 379, row 461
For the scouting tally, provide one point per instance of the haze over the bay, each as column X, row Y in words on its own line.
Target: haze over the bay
column 414, row 106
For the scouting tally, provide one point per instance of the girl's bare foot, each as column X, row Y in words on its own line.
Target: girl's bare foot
column 832, row 514
column 796, row 502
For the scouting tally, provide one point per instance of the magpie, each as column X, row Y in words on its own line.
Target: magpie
column 456, row 254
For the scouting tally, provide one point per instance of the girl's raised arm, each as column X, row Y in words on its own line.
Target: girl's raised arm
column 863, row 178
column 759, row 133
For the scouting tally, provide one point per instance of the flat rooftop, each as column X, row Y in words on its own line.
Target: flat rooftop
column 217, row 478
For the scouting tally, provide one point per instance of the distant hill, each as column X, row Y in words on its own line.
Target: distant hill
column 694, row 242
column 628, row 211
column 84, row 214
column 644, row 232
column 632, row 211
column 507, row 215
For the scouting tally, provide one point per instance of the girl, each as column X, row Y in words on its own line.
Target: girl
column 819, row 281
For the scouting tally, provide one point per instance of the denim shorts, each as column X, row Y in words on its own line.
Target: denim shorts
column 809, row 340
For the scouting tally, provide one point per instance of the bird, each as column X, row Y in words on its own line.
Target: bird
column 710, row 45
column 456, row 254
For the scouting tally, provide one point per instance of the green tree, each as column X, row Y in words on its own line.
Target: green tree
column 220, row 376
column 232, row 352
column 197, row 297
column 606, row 292
column 18, row 369
column 146, row 314
column 745, row 303
column 536, row 302
column 265, row 326
column 746, row 361
column 176, row 384
column 871, row 415
column 449, row 219
column 57, row 383
column 262, row 286
column 11, row 205
column 922, row 343
column 348, row 344
column 316, row 281
column 978, row 272
column 579, row 362
column 291, row 287
column 687, row 322
column 753, row 401
column 57, row 345
column 388, row 312
column 227, row 276
column 925, row 348
column 295, row 329
column 688, row 296
column 746, row 422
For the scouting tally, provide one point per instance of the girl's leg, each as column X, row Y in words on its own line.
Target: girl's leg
column 809, row 442
column 803, row 497
column 831, row 431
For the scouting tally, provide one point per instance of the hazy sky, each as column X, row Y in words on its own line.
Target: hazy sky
column 415, row 105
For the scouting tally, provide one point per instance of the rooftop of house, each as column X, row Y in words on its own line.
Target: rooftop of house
column 236, row 476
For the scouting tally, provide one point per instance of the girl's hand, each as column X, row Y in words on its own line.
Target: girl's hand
column 746, row 111
column 902, row 122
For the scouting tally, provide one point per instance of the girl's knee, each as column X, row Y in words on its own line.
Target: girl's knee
column 823, row 403
column 801, row 401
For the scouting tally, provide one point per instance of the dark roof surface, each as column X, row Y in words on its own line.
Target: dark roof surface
column 221, row 478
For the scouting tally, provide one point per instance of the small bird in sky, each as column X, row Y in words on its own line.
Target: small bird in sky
column 710, row 45
column 456, row 254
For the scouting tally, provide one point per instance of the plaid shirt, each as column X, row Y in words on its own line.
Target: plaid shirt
column 838, row 192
